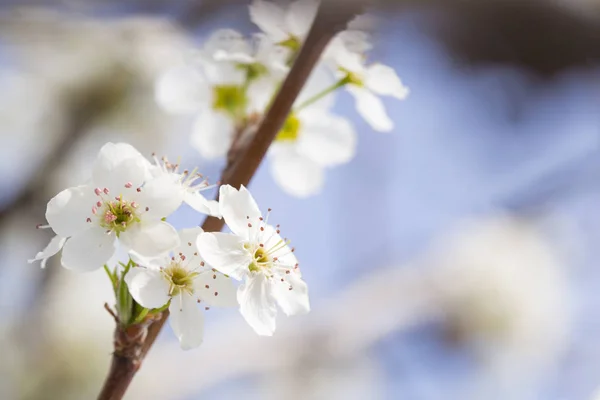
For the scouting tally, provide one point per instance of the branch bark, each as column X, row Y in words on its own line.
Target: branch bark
column 329, row 21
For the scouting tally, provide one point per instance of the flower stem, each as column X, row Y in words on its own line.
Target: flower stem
column 342, row 82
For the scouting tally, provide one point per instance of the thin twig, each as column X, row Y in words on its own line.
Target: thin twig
column 328, row 22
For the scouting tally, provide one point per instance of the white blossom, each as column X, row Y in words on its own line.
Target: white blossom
column 255, row 253
column 183, row 279
column 121, row 201
column 217, row 87
column 311, row 140
column 189, row 184
column 287, row 25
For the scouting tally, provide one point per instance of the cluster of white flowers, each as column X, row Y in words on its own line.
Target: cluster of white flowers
column 233, row 79
column 125, row 204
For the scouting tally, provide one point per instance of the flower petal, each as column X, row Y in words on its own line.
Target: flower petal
column 201, row 204
column 182, row 90
column 371, row 108
column 114, row 173
column 188, row 247
column 296, row 174
column 291, row 293
column 238, row 208
column 227, row 45
column 327, row 139
column 212, row 134
column 55, row 245
column 300, row 15
column 150, row 239
column 319, row 79
column 88, row 250
column 187, row 321
column 162, row 196
column 269, row 17
column 215, row 289
column 68, row 211
column 257, row 304
column 225, row 252
column 147, row 287
column 384, row 81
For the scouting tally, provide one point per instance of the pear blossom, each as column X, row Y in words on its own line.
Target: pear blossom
column 366, row 83
column 189, row 184
column 186, row 282
column 215, row 87
column 121, row 201
column 256, row 254
column 311, row 140
column 285, row 25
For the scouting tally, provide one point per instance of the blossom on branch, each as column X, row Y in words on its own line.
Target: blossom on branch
column 183, row 280
column 255, row 253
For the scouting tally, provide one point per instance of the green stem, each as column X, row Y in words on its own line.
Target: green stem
column 342, row 82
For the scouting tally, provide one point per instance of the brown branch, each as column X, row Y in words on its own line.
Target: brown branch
column 328, row 22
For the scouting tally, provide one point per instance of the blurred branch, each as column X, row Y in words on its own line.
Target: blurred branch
column 329, row 21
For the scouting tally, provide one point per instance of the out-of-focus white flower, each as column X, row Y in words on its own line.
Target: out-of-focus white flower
column 216, row 87
column 286, row 25
column 503, row 293
column 311, row 140
column 366, row 84
column 256, row 254
column 120, row 202
column 184, row 280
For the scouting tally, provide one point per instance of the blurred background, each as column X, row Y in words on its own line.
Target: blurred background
column 455, row 258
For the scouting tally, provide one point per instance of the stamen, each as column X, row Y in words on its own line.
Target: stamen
column 97, row 191
column 128, row 185
column 40, row 226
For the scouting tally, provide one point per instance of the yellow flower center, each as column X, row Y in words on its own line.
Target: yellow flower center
column 118, row 215
column 230, row 99
column 290, row 130
column 179, row 278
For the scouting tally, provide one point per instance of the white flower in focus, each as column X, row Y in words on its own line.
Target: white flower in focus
column 311, row 140
column 255, row 253
column 121, row 201
column 186, row 281
column 189, row 184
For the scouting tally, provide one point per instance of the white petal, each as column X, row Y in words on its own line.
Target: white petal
column 150, row 239
column 88, row 250
column 327, row 139
column 201, row 204
column 269, row 17
column 187, row 321
column 215, row 289
column 115, row 173
column 238, row 209
column 384, row 81
column 150, row 262
column 296, row 174
column 300, row 16
column 292, row 301
column 147, row 287
column 320, row 78
column 224, row 73
column 371, row 108
column 212, row 134
column 227, row 44
column 260, row 93
column 182, row 90
column 68, row 211
column 225, row 253
column 162, row 196
column 257, row 304
column 189, row 248
column 56, row 243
